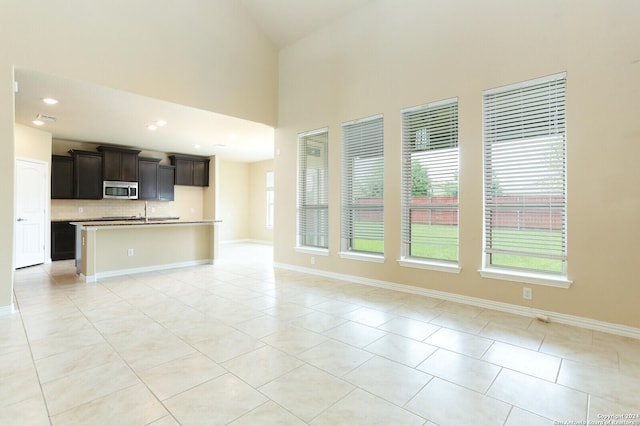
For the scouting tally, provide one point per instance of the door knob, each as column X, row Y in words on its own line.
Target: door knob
column 21, row 219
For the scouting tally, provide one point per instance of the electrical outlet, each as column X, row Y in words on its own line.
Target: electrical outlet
column 130, row 252
column 80, row 210
column 313, row 260
column 527, row 293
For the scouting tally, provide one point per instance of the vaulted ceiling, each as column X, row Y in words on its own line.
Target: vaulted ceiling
column 287, row 21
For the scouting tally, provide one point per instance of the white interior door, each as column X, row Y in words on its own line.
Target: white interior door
column 31, row 198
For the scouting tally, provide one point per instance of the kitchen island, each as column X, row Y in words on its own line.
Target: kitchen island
column 114, row 248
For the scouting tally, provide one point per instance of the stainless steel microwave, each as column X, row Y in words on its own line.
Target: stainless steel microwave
column 121, row 190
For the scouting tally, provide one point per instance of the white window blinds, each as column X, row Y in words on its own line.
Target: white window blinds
column 525, row 175
column 313, row 189
column 363, row 185
column 430, row 181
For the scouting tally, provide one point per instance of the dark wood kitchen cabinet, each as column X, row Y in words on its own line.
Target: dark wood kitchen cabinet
column 148, row 178
column 87, row 174
column 63, row 241
column 191, row 170
column 119, row 164
column 61, row 177
column 155, row 181
column 166, row 180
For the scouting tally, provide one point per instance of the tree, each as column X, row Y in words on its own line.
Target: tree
column 420, row 181
column 369, row 178
column 496, row 186
column 451, row 187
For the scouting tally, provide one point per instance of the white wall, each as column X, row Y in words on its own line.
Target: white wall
column 392, row 55
column 204, row 54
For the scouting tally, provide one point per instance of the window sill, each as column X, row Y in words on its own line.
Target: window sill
column 432, row 265
column 313, row 250
column 526, row 277
column 376, row 258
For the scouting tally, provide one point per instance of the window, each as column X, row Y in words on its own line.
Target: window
column 525, row 176
column 313, row 189
column 270, row 199
column 363, row 186
column 430, row 182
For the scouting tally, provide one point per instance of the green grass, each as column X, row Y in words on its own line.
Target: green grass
column 361, row 243
column 526, row 262
column 434, row 241
column 550, row 242
column 441, row 242
column 368, row 246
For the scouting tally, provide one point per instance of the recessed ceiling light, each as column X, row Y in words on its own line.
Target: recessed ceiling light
column 196, row 146
column 38, row 122
column 219, row 145
column 152, row 127
column 49, row 101
column 232, row 136
column 161, row 123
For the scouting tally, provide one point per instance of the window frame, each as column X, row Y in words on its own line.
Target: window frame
column 362, row 140
column 423, row 114
column 522, row 124
column 321, row 195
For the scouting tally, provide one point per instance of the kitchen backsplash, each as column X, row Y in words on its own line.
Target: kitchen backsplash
column 188, row 205
column 92, row 209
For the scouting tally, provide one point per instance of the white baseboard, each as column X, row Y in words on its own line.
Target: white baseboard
column 7, row 310
column 589, row 323
column 225, row 242
column 154, row 268
column 263, row 242
column 247, row 241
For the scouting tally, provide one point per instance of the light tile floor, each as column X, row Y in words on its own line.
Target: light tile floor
column 241, row 343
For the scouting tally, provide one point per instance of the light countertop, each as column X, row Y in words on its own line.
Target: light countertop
column 140, row 222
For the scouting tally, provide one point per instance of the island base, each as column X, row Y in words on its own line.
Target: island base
column 109, row 251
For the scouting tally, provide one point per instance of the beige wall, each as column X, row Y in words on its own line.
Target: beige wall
column 258, row 230
column 392, row 55
column 7, row 175
column 204, row 54
column 33, row 143
column 232, row 200
column 207, row 55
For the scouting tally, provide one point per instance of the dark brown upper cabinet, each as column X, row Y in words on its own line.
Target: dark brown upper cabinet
column 155, row 181
column 148, row 178
column 190, row 170
column 61, row 177
column 166, row 180
column 119, row 164
column 87, row 174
